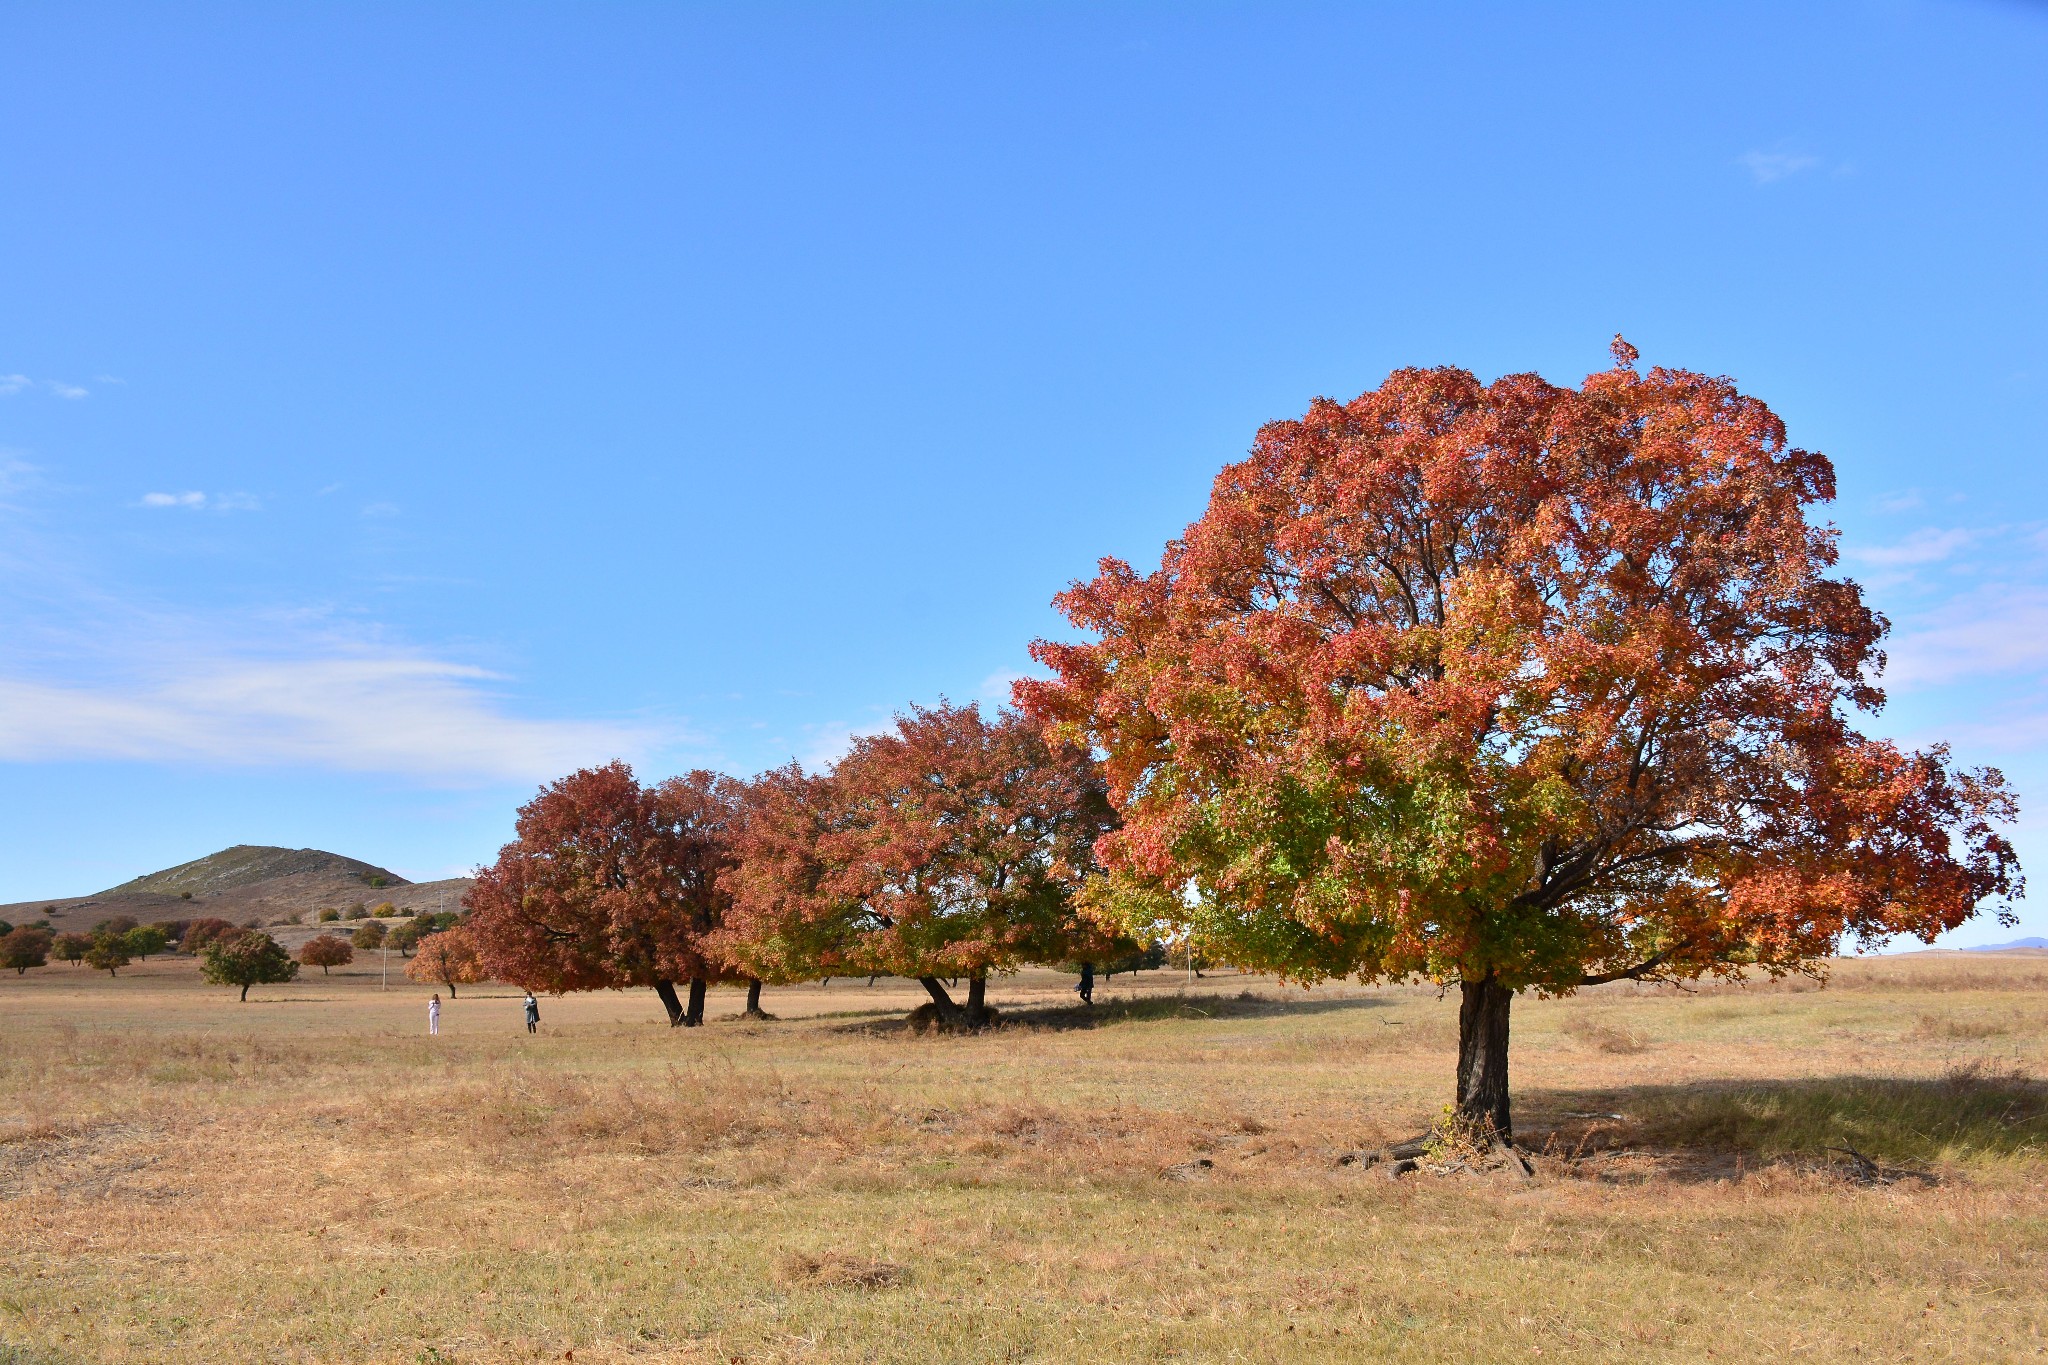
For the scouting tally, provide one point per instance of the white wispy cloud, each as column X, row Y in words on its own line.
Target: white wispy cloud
column 828, row 741
column 99, row 671
column 1928, row 545
column 1991, row 632
column 11, row 384
column 1767, row 168
column 368, row 711
column 995, row 688
column 203, row 502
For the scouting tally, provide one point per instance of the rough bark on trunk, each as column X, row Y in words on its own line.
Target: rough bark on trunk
column 754, row 1010
column 245, row 995
column 1483, row 1057
column 670, row 1002
column 694, row 1015
column 977, row 999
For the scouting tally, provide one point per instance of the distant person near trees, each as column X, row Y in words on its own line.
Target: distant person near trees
column 1085, row 987
column 532, row 1013
column 434, row 1016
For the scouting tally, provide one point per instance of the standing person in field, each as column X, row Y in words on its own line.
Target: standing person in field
column 1085, row 988
column 532, row 1013
column 434, row 1016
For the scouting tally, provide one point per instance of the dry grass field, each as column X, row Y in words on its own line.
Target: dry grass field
column 307, row 1177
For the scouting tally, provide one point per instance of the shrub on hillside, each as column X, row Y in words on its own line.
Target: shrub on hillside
column 119, row 924
column 328, row 950
column 249, row 958
column 385, row 910
column 358, row 911
column 201, row 932
column 329, row 915
column 371, row 935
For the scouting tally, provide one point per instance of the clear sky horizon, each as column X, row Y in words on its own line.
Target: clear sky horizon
column 400, row 407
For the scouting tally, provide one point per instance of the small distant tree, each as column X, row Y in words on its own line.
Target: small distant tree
column 405, row 937
column 119, row 924
column 202, row 932
column 184, row 895
column 327, row 950
column 22, row 949
column 5, row 928
column 385, row 910
column 70, row 948
column 248, row 958
column 107, row 953
column 370, row 936
column 358, row 911
column 329, row 915
column 145, row 941
column 448, row 958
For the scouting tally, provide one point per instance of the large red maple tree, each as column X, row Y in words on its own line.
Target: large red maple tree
column 948, row 847
column 610, row 884
column 1515, row 687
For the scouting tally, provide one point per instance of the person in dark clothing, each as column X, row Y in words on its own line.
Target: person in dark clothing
column 532, row 1013
column 1086, row 987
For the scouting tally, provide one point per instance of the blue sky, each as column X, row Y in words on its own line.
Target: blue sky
column 402, row 405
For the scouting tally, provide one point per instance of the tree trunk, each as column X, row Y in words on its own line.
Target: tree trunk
column 977, row 999
column 694, row 1015
column 245, row 995
column 451, row 989
column 1483, row 1057
column 754, row 1010
column 670, row 1002
column 943, row 1002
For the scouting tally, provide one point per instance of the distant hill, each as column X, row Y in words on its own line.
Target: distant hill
column 2035, row 942
column 242, row 883
column 247, row 864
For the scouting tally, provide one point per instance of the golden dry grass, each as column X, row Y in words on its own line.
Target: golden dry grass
column 308, row 1178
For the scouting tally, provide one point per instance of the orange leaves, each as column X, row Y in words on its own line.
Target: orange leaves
column 448, row 958
column 1514, row 679
column 948, row 846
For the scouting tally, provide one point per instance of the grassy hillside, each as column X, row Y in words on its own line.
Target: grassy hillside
column 245, row 865
column 243, row 883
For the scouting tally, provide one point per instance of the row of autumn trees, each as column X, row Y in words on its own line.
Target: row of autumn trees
column 949, row 849
column 1509, row 687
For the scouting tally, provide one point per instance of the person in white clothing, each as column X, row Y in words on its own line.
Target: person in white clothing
column 434, row 1015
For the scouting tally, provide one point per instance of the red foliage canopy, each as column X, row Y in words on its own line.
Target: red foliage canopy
column 1517, row 685
column 610, row 884
column 948, row 847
